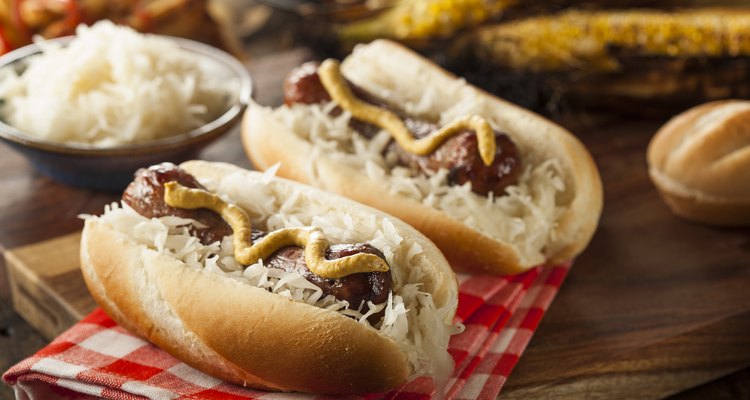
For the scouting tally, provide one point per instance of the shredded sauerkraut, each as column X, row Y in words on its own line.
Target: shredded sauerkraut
column 525, row 215
column 111, row 85
column 408, row 314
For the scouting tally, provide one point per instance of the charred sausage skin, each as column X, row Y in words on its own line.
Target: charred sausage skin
column 146, row 196
column 459, row 154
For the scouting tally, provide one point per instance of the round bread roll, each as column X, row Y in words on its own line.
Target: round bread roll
column 236, row 323
column 548, row 217
column 700, row 162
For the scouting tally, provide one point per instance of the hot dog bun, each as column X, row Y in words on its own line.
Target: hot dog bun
column 550, row 217
column 700, row 162
column 215, row 321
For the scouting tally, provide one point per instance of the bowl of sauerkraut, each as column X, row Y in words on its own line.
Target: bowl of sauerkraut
column 90, row 110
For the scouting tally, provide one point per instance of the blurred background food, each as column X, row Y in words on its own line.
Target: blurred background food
column 415, row 20
column 644, row 57
column 21, row 20
column 631, row 61
column 628, row 56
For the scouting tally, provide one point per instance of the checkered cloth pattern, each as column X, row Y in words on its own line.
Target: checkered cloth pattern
column 98, row 359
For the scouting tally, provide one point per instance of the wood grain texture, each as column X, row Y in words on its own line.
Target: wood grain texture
column 731, row 387
column 18, row 340
column 46, row 284
column 654, row 306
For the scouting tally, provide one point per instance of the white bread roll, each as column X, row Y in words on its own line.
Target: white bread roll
column 549, row 216
column 157, row 282
column 700, row 162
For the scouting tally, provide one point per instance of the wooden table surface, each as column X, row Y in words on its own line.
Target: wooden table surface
column 654, row 307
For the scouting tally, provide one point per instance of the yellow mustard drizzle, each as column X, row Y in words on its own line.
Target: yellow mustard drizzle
column 330, row 76
column 246, row 252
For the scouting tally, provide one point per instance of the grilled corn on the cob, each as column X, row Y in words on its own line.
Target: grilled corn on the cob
column 420, row 19
column 593, row 41
column 426, row 19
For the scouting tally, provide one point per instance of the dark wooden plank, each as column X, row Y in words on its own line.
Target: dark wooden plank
column 47, row 287
column 18, row 340
column 645, row 291
column 731, row 387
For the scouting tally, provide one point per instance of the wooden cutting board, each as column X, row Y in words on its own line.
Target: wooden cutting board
column 46, row 284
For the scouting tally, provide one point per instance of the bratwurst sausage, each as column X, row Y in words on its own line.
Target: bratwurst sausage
column 357, row 289
column 146, row 196
column 459, row 154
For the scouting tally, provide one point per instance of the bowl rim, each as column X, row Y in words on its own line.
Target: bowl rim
column 207, row 131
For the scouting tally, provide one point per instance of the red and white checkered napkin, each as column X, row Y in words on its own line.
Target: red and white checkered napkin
column 98, row 359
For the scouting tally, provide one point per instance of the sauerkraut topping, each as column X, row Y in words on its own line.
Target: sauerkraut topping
column 411, row 317
column 111, row 86
column 311, row 239
column 525, row 215
column 341, row 94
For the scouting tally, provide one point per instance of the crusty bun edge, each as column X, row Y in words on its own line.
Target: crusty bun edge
column 113, row 268
column 240, row 333
column 698, row 207
column 466, row 248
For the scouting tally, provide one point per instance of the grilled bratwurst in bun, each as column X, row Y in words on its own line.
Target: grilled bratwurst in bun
column 498, row 188
column 271, row 284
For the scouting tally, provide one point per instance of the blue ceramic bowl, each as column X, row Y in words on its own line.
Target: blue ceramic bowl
column 112, row 168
